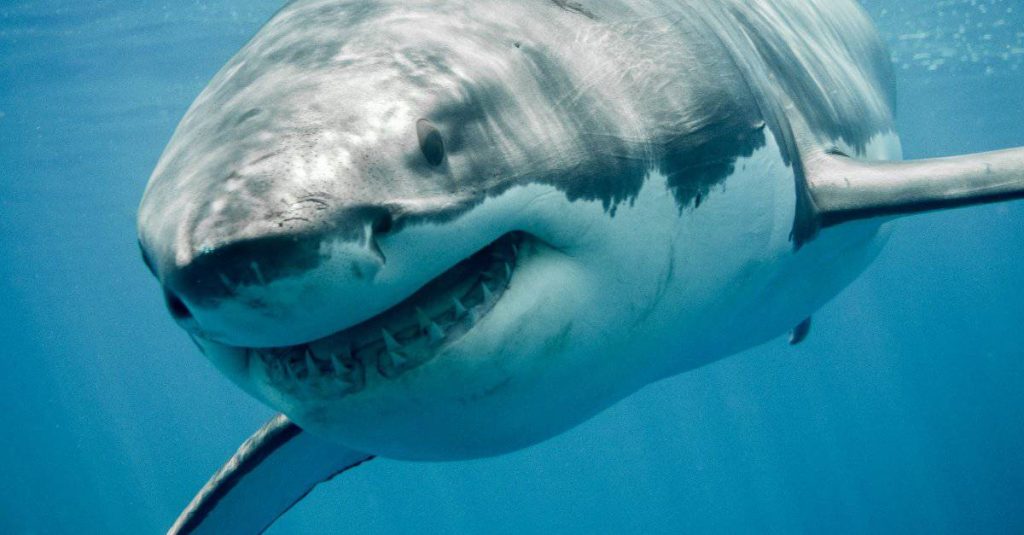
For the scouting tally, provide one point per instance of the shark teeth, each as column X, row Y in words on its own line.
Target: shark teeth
column 423, row 319
column 403, row 337
column 336, row 365
column 460, row 309
column 389, row 341
column 299, row 368
column 310, row 365
column 258, row 272
column 435, row 332
column 397, row 359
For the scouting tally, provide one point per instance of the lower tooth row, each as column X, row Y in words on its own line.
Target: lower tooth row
column 393, row 351
column 286, row 369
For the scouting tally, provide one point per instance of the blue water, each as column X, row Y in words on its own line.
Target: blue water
column 903, row 412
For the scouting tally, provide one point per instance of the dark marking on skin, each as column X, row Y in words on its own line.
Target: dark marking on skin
column 247, row 115
column 664, row 284
column 800, row 332
column 357, row 272
column 472, row 399
column 769, row 100
column 829, row 109
column 575, row 7
column 255, row 161
column 701, row 162
column 556, row 344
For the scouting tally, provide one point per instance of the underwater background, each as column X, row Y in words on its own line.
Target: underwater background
column 903, row 411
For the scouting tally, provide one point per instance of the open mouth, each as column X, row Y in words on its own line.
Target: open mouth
column 402, row 337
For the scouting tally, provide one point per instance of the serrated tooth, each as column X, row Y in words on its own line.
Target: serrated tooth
column 460, row 309
column 336, row 365
column 367, row 233
column 259, row 273
column 389, row 341
column 397, row 359
column 515, row 250
column 508, row 271
column 310, row 365
column 436, row 332
column 474, row 316
column 422, row 318
column 487, row 292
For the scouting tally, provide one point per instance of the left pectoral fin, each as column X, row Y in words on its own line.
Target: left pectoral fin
column 843, row 189
column 270, row 472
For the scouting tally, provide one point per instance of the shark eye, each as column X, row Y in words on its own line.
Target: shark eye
column 431, row 142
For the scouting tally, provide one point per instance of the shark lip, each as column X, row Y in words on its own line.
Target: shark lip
column 402, row 337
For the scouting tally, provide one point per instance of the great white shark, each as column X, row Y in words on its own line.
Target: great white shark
column 452, row 229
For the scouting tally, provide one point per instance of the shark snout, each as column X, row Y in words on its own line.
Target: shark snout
column 269, row 290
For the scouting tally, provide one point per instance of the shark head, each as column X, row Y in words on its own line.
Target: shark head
column 371, row 227
column 426, row 233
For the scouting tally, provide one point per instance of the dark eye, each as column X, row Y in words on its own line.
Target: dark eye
column 431, row 142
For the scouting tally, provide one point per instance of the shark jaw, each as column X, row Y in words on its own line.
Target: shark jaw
column 390, row 344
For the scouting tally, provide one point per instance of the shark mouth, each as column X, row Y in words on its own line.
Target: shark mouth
column 402, row 337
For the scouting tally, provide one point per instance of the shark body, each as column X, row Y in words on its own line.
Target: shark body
column 439, row 231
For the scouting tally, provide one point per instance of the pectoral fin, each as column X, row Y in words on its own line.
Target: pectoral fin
column 843, row 189
column 272, row 470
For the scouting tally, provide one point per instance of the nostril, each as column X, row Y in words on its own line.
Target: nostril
column 179, row 310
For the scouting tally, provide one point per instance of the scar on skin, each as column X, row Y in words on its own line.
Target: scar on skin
column 575, row 7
